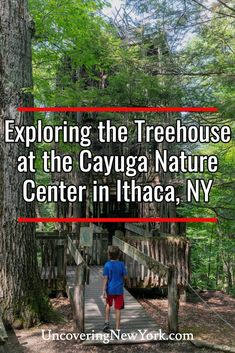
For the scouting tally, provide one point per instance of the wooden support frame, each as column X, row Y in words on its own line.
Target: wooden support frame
column 61, row 265
column 173, row 300
column 64, row 241
column 139, row 256
column 74, row 252
column 133, row 228
column 56, row 235
column 157, row 268
column 77, row 296
column 137, row 230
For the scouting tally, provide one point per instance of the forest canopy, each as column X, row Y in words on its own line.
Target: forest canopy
column 151, row 139
column 161, row 53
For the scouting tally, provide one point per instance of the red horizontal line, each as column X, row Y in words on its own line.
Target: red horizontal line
column 119, row 109
column 115, row 220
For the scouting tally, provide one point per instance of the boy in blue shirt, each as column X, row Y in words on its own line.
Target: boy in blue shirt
column 114, row 275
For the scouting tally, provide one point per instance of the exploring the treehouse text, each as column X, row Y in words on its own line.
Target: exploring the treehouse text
column 104, row 132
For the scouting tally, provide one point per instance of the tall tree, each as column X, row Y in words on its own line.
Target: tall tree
column 20, row 293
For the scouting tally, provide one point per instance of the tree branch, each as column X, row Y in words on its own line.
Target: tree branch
column 228, row 7
column 208, row 9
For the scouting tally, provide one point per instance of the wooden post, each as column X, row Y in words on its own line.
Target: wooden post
column 65, row 260
column 60, row 258
column 60, row 265
column 173, row 300
column 79, row 298
column 99, row 248
column 105, row 243
column 87, row 274
column 182, row 295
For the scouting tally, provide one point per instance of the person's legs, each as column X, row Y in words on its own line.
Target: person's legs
column 108, row 305
column 107, row 312
column 118, row 318
column 119, row 305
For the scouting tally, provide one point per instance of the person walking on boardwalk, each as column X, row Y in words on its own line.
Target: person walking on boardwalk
column 114, row 276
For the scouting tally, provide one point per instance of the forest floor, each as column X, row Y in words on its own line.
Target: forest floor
column 195, row 316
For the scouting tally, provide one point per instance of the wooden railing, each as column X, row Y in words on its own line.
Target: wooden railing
column 155, row 266
column 52, row 258
column 77, row 291
column 164, row 248
column 55, row 248
column 56, row 251
column 99, row 249
column 137, row 230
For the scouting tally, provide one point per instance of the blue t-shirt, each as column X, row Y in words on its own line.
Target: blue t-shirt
column 115, row 271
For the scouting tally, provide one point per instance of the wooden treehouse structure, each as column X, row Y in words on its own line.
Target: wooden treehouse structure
column 156, row 256
column 72, row 262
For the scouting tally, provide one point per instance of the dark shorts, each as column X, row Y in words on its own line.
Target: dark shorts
column 118, row 300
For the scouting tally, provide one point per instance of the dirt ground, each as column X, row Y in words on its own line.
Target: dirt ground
column 195, row 317
column 199, row 318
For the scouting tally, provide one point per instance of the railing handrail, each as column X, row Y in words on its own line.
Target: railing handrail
column 55, row 235
column 144, row 232
column 75, row 252
column 161, row 269
column 152, row 264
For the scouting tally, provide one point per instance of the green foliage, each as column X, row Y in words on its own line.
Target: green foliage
column 178, row 54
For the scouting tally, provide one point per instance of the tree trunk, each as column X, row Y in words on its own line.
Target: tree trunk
column 20, row 297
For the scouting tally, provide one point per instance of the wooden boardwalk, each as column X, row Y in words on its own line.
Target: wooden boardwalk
column 134, row 317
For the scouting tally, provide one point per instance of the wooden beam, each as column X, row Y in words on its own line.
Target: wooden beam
column 143, row 259
column 61, row 269
column 158, row 268
column 75, row 253
column 173, row 300
column 55, row 235
column 138, row 230
column 98, row 229
column 50, row 235
column 145, row 233
column 79, row 297
column 79, row 307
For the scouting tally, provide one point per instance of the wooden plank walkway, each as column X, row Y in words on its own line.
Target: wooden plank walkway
column 134, row 317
